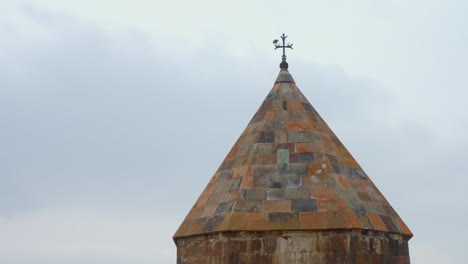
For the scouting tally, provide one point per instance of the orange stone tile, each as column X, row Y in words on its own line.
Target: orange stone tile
column 242, row 171
column 352, row 221
column 270, row 115
column 277, row 87
column 257, row 221
column 241, row 162
column 313, row 220
column 311, row 181
column 183, row 229
column 234, row 196
column 350, row 162
column 364, row 196
column 209, row 189
column 343, row 182
column 366, row 185
column 277, row 205
column 304, row 147
column 195, row 212
column 295, row 105
column 249, row 139
column 276, row 105
column 317, row 168
column 294, row 87
column 288, row 146
column 281, row 136
column 377, row 222
column 225, row 224
column 232, row 152
column 247, row 182
column 323, row 193
column 403, row 226
column 239, row 222
column 336, row 219
column 298, row 126
column 195, row 226
column 333, row 205
column 329, row 146
column 202, row 199
column 209, row 210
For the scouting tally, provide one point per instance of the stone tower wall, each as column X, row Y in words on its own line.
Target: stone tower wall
column 275, row 247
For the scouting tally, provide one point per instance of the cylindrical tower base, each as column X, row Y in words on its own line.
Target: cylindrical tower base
column 337, row 246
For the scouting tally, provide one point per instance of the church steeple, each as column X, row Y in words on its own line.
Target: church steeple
column 288, row 172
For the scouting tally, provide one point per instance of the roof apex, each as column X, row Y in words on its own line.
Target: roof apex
column 284, row 76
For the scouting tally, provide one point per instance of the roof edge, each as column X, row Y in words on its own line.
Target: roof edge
column 406, row 235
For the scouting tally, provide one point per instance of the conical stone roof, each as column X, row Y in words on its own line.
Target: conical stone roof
column 288, row 171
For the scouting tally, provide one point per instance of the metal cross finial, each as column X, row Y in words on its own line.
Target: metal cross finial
column 284, row 64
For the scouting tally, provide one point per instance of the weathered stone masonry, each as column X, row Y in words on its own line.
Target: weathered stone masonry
column 354, row 246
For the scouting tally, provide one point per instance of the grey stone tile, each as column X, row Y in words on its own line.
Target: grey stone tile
column 236, row 184
column 272, row 95
column 274, row 125
column 293, row 168
column 225, row 175
column 281, row 217
column 283, row 156
column 303, row 136
column 306, row 157
column 224, row 208
column 212, row 223
column 301, row 193
column 264, row 149
column 275, row 194
column 304, row 205
column 255, row 194
column 262, row 181
column 266, row 137
column 260, row 170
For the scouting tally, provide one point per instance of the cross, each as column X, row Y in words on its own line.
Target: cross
column 284, row 64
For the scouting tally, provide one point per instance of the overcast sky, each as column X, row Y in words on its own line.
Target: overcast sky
column 114, row 115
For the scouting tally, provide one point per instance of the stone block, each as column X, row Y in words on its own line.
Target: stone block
column 269, row 244
column 243, row 206
column 212, row 223
column 313, row 220
column 274, row 125
column 255, row 194
column 224, row 208
column 260, row 170
column 301, row 193
column 306, row 157
column 283, row 156
column 299, row 126
column 263, row 149
column 293, row 168
column 303, row 136
column 284, row 220
column 225, row 175
column 277, row 206
column 262, row 181
column 266, row 137
column 275, row 194
column 235, row 184
column 304, row 205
